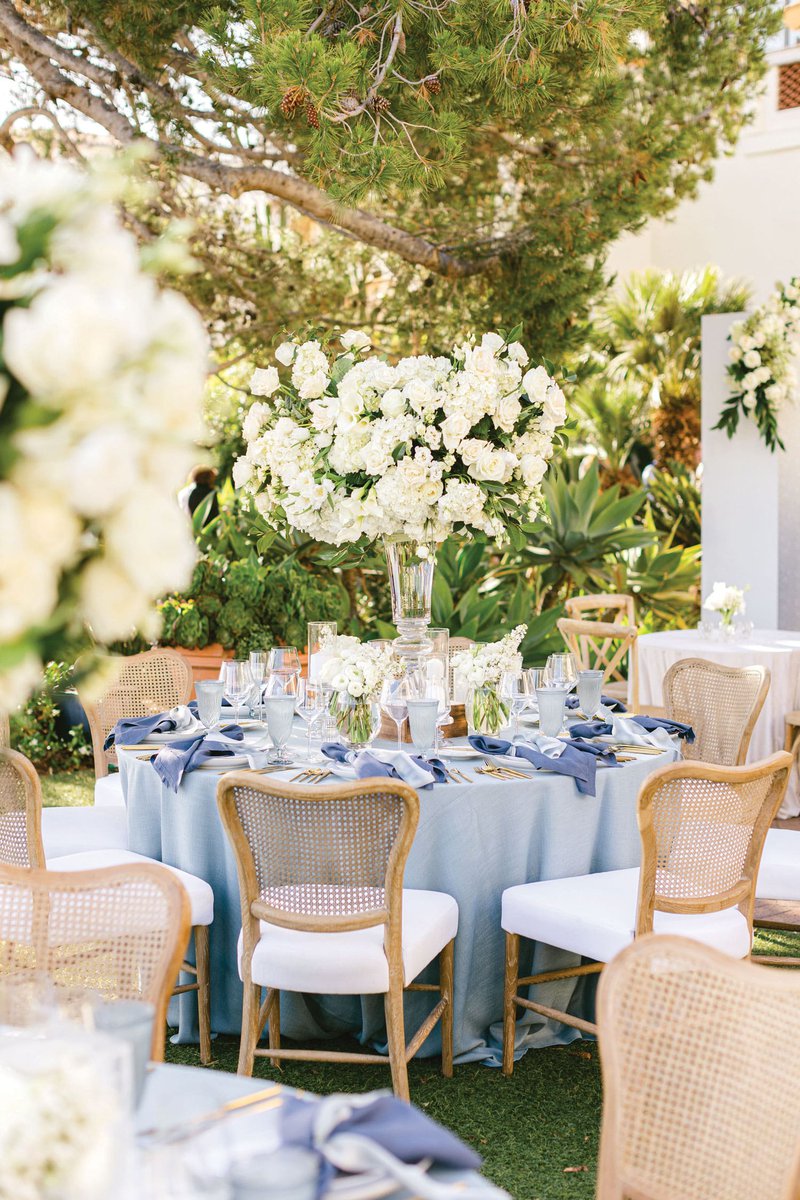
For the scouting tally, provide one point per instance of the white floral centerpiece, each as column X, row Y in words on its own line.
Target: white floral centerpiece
column 482, row 669
column 727, row 600
column 101, row 378
column 760, row 370
column 356, row 671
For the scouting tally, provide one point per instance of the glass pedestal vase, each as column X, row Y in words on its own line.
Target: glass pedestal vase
column 411, row 565
column 486, row 710
column 357, row 720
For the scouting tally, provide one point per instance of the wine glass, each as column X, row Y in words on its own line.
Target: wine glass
column 258, row 671
column 393, row 703
column 312, row 701
column 209, row 694
column 561, row 671
column 284, row 658
column 282, row 683
column 238, row 681
column 519, row 688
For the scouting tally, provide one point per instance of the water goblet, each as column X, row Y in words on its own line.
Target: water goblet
column 551, row 708
column 519, row 688
column 423, row 716
column 238, row 681
column 258, row 669
column 282, row 683
column 311, row 702
column 393, row 703
column 561, row 669
column 210, row 693
column 590, row 692
column 436, row 683
column 279, row 712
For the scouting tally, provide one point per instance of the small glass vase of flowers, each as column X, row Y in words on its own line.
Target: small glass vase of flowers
column 482, row 669
column 356, row 671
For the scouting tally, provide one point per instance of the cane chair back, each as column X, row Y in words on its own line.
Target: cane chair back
column 20, row 812
column 702, row 829
column 611, row 648
column 722, row 704
column 119, row 931
column 5, row 730
column 147, row 683
column 455, row 646
column 614, row 608
column 700, row 1056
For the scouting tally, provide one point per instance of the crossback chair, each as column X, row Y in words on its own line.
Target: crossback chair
column 700, row 1056
column 21, row 845
column 314, row 862
column 607, row 647
column 120, row 932
column 616, row 608
column 151, row 682
column 702, row 831
column 722, row 704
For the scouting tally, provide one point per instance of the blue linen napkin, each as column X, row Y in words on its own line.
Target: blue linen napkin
column 183, row 755
column 607, row 702
column 572, row 761
column 588, row 729
column 343, row 1129
column 368, row 766
column 131, row 730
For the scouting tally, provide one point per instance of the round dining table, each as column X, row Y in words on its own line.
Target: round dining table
column 777, row 650
column 473, row 841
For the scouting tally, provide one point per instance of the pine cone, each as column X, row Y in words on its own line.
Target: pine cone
column 433, row 84
column 312, row 116
column 380, row 104
column 292, row 100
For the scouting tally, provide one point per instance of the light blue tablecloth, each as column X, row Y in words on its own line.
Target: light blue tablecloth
column 473, row 841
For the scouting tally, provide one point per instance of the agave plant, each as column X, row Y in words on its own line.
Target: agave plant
column 674, row 495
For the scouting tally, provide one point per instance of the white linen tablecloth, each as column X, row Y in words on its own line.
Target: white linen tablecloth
column 776, row 649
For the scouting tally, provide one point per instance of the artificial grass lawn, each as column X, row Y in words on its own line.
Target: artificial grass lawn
column 71, row 789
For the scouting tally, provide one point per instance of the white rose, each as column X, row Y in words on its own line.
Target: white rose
column 393, row 403
column 242, row 472
column 470, row 449
column 265, row 381
column 535, row 384
column 285, row 353
column 518, row 354
column 746, row 342
column 313, row 386
column 102, row 470
column 111, row 605
column 752, row 359
column 493, row 342
column 555, row 405
column 750, row 383
column 483, row 360
column 152, row 537
column 454, row 429
column 735, row 353
column 257, row 416
column 507, row 413
column 493, row 465
column 353, row 339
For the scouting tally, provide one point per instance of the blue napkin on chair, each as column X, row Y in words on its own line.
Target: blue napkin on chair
column 362, row 1133
column 393, row 764
column 183, row 755
column 607, row 702
column 573, row 760
column 588, row 729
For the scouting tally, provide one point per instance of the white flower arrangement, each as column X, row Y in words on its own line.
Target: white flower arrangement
column 100, row 385
column 760, row 368
column 352, row 447
column 725, row 599
column 357, row 669
column 485, row 666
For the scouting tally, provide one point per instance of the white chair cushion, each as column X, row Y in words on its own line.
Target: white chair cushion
column 779, row 873
column 353, row 963
column 108, row 792
column 201, row 896
column 595, row 916
column 69, row 830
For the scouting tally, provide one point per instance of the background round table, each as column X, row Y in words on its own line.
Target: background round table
column 775, row 649
column 473, row 841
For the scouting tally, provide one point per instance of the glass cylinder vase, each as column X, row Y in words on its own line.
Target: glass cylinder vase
column 357, row 719
column 486, row 710
column 411, row 566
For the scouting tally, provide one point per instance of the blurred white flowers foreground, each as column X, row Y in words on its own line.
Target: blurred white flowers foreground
column 101, row 379
column 351, row 447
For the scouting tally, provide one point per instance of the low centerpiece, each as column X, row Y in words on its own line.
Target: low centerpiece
column 351, row 448
column 482, row 668
column 727, row 600
column 356, row 671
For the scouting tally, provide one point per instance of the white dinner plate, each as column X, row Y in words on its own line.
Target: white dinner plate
column 512, row 762
column 368, row 1185
column 458, row 752
column 224, row 762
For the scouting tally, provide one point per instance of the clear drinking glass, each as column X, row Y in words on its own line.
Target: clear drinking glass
column 259, row 660
column 393, row 703
column 282, row 683
column 238, row 681
column 279, row 712
column 551, row 708
column 519, row 688
column 312, row 701
column 423, row 716
column 210, row 693
column 284, row 658
column 590, row 692
column 561, row 669
column 319, row 634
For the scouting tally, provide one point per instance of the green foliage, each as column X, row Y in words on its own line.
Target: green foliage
column 674, row 496
column 36, row 731
column 665, row 580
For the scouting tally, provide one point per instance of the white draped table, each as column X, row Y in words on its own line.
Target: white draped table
column 776, row 649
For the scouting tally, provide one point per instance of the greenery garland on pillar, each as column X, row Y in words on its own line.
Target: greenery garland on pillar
column 760, row 368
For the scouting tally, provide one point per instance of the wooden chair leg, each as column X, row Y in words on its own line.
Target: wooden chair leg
column 395, row 1028
column 251, row 1008
column 275, row 1027
column 446, row 990
column 790, row 737
column 203, row 964
column 509, row 1001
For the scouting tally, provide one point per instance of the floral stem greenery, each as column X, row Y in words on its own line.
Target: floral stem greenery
column 490, row 713
column 353, row 717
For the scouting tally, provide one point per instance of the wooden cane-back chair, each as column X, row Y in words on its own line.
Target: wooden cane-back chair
column 20, row 812
column 121, row 931
column 722, row 704
column 601, row 646
column 613, row 608
column 702, row 830
column 147, row 683
column 700, row 1056
column 328, row 861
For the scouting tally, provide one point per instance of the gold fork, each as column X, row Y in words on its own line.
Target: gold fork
column 306, row 775
column 490, row 768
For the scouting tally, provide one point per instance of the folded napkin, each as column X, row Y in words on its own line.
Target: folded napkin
column 132, row 730
column 395, row 764
column 629, row 729
column 183, row 755
column 378, row 1132
column 606, row 702
column 572, row 760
